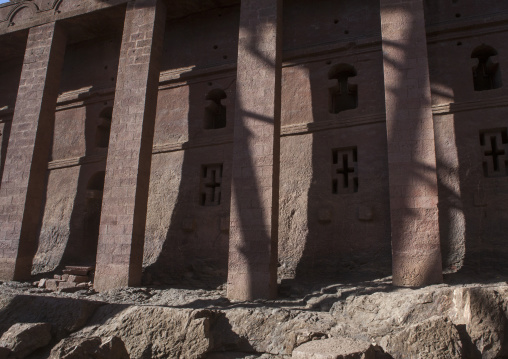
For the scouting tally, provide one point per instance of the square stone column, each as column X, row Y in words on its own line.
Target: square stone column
column 411, row 149
column 252, row 269
column 124, row 204
column 23, row 181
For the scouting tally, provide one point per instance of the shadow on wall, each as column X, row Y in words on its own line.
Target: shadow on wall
column 347, row 204
column 194, row 249
column 347, row 210
column 472, row 188
column 186, row 233
column 470, row 138
column 70, row 238
column 186, row 240
column 481, row 140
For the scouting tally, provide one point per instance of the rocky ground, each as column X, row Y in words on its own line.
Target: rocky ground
column 465, row 318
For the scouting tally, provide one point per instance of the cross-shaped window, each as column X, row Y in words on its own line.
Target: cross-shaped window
column 211, row 180
column 344, row 171
column 494, row 149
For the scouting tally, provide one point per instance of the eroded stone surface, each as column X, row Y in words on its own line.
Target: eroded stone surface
column 435, row 338
column 335, row 348
column 64, row 314
column 23, row 339
column 469, row 319
column 481, row 311
column 153, row 332
column 93, row 347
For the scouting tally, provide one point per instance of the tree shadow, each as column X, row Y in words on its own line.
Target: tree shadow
column 348, row 236
column 472, row 202
column 193, row 251
column 12, row 57
column 71, row 239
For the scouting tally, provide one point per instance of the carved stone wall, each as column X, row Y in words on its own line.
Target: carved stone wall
column 322, row 231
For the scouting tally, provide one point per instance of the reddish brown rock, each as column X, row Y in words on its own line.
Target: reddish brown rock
column 22, row 183
column 124, row 208
column 253, row 232
column 411, row 148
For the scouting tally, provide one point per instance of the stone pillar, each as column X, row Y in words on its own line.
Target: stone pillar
column 124, row 206
column 256, row 160
column 23, row 182
column 411, row 149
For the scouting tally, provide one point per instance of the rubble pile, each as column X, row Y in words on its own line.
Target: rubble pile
column 72, row 279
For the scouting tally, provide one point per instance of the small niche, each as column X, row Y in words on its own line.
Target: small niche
column 104, row 128
column 487, row 73
column 343, row 96
column 215, row 112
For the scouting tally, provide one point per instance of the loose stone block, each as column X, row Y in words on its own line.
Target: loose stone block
column 80, row 271
column 52, row 284
column 67, row 287
column 77, row 279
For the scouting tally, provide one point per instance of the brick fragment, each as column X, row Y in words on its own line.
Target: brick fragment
column 67, row 287
column 52, row 284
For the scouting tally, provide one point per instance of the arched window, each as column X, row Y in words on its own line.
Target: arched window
column 486, row 74
column 343, row 96
column 215, row 112
column 104, row 128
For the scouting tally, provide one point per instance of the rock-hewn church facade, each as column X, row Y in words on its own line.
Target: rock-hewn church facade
column 253, row 141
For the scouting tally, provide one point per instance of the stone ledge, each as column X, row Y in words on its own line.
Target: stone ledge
column 306, row 128
column 449, row 108
column 76, row 161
